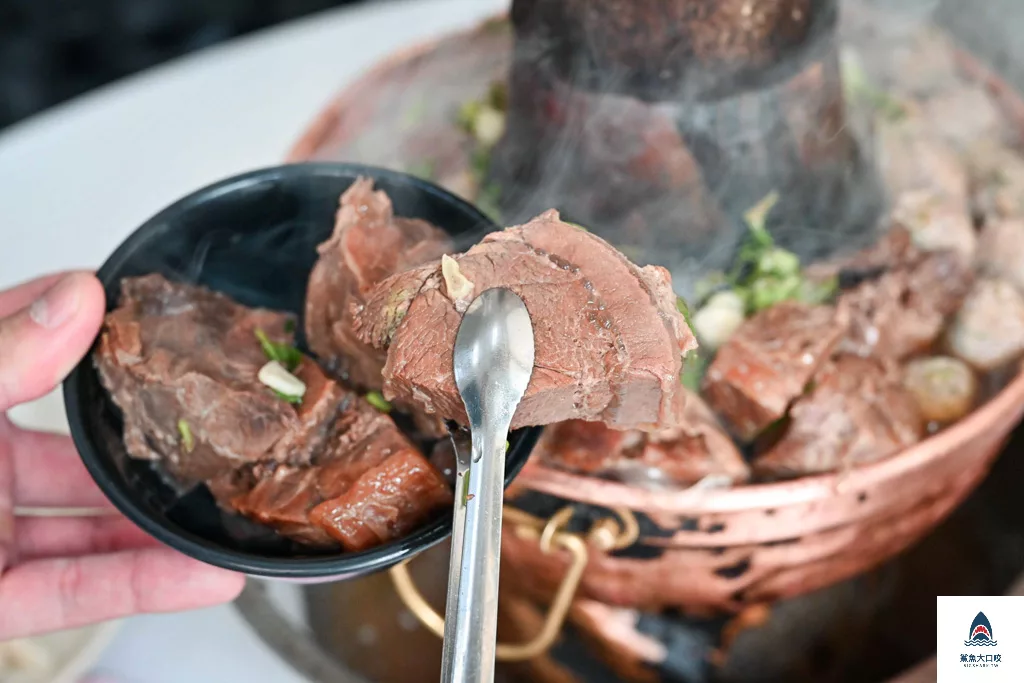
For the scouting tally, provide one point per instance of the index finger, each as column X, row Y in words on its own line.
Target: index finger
column 50, row 595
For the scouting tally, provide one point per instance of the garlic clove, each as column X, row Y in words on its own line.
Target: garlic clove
column 275, row 376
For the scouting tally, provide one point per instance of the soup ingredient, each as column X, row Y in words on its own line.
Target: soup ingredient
column 367, row 468
column 856, row 412
column 182, row 364
column 1001, row 250
column 718, row 319
column 287, row 385
column 375, row 399
column 945, row 388
column 988, row 331
column 385, row 503
column 458, row 287
column 936, row 223
column 692, row 447
column 609, row 339
column 768, row 362
column 189, row 370
column 369, row 243
column 902, row 311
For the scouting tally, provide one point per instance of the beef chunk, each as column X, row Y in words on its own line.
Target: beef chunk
column 694, row 446
column 362, row 440
column 369, row 243
column 181, row 363
column 857, row 412
column 904, row 311
column 609, row 340
column 768, row 362
column 386, row 502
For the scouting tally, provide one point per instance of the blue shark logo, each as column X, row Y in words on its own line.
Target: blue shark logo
column 981, row 632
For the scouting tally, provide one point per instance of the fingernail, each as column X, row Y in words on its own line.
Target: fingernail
column 57, row 305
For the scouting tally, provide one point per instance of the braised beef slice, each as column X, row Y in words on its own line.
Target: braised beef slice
column 768, row 362
column 179, row 359
column 609, row 341
column 857, row 412
column 904, row 310
column 361, row 439
column 369, row 243
column 386, row 502
column 694, row 446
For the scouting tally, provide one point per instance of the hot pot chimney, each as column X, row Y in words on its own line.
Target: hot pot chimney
column 657, row 123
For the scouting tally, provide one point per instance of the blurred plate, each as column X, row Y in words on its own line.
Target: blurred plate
column 61, row 657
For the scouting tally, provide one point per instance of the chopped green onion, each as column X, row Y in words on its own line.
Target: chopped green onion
column 294, row 400
column 818, row 292
column 187, row 441
column 377, row 400
column 694, row 366
column 289, row 326
column 756, row 217
column 684, row 309
column 507, row 445
column 779, row 262
column 285, row 354
column 857, row 87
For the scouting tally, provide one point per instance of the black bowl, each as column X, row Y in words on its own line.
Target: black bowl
column 252, row 237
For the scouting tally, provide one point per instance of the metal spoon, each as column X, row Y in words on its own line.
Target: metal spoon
column 493, row 364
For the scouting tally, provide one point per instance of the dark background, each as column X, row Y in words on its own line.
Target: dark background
column 53, row 50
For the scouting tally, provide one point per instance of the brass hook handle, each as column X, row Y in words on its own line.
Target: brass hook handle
column 549, row 536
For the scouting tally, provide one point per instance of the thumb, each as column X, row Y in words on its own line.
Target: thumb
column 41, row 342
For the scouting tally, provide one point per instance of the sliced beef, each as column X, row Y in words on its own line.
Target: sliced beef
column 385, row 503
column 609, row 340
column 683, row 453
column 904, row 310
column 768, row 362
column 857, row 412
column 369, row 244
column 181, row 363
column 363, row 440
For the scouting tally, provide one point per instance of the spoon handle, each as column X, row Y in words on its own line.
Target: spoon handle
column 471, row 613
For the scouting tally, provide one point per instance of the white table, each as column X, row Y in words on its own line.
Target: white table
column 78, row 179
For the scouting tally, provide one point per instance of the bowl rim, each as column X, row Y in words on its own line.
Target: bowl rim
column 119, row 493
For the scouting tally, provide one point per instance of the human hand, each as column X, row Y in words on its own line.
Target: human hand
column 63, row 572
